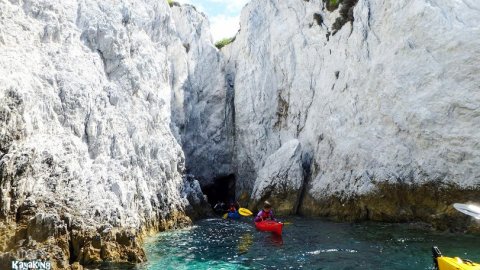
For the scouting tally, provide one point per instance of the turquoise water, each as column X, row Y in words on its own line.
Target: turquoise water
column 306, row 244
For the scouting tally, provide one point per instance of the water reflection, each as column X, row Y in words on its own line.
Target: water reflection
column 275, row 239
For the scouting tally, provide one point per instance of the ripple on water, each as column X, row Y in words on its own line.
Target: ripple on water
column 316, row 252
column 306, row 244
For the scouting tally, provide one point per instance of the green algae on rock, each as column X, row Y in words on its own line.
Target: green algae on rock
column 431, row 203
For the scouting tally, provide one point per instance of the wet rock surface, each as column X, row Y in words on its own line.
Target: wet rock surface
column 430, row 203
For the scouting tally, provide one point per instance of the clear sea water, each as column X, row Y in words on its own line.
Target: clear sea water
column 306, row 244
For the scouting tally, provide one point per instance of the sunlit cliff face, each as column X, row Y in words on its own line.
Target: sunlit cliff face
column 111, row 111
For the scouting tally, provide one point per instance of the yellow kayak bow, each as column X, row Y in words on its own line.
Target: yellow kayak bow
column 449, row 263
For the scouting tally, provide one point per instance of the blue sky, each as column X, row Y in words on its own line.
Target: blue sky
column 224, row 15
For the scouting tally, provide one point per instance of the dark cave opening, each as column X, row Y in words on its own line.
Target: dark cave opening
column 221, row 191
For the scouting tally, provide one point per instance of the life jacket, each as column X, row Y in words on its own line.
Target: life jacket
column 264, row 215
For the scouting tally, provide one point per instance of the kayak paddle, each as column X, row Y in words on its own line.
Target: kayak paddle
column 225, row 215
column 468, row 209
column 244, row 212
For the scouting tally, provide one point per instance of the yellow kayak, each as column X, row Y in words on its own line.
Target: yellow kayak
column 455, row 263
column 449, row 263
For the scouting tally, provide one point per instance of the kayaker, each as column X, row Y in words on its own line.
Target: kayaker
column 266, row 213
column 232, row 208
column 237, row 205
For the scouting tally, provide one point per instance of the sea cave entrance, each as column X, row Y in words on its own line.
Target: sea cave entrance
column 221, row 190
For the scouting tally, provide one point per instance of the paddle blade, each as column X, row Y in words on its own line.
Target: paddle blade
column 245, row 212
column 468, row 209
column 225, row 215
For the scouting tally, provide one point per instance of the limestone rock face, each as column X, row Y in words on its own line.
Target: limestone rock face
column 86, row 89
column 376, row 92
column 97, row 100
column 280, row 180
column 203, row 111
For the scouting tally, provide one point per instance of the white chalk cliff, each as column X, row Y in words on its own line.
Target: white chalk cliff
column 109, row 111
column 87, row 150
column 376, row 92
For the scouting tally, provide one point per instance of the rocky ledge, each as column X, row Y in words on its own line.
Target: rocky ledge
column 429, row 203
column 67, row 243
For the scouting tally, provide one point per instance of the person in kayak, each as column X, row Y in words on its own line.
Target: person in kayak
column 266, row 213
column 233, row 208
column 232, row 211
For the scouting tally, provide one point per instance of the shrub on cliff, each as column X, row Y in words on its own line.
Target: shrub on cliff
column 224, row 42
column 332, row 4
column 172, row 3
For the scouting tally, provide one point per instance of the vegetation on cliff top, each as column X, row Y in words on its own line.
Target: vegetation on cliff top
column 172, row 3
column 224, row 42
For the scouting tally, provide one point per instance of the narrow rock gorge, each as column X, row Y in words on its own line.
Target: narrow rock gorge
column 203, row 108
column 116, row 115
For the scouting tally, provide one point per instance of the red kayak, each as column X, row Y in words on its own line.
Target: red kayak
column 270, row 226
